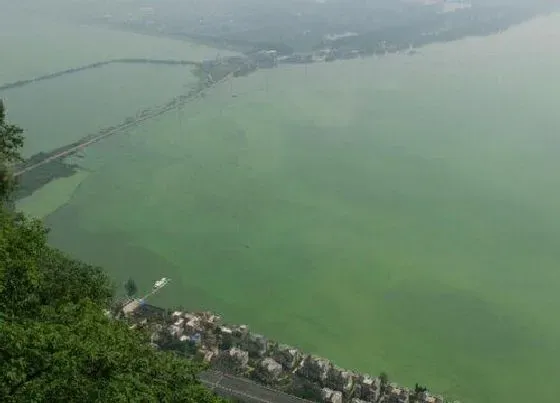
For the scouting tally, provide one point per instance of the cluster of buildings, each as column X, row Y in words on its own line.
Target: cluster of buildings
column 238, row 66
column 235, row 350
column 266, row 59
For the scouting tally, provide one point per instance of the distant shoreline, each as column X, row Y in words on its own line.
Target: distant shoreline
column 210, row 72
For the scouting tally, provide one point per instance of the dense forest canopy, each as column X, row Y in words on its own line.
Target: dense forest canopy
column 56, row 342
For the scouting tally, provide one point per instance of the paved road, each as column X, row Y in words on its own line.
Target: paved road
column 244, row 389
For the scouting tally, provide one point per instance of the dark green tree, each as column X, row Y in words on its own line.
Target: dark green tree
column 11, row 141
column 34, row 275
column 75, row 353
column 417, row 394
column 130, row 288
column 383, row 383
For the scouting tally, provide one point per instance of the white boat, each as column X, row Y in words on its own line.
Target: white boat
column 161, row 283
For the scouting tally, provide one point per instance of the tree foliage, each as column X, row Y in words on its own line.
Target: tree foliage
column 75, row 353
column 130, row 287
column 34, row 275
column 383, row 378
column 11, row 138
column 383, row 383
column 56, row 342
column 419, row 390
column 11, row 141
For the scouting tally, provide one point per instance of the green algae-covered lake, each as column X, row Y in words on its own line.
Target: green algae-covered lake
column 396, row 214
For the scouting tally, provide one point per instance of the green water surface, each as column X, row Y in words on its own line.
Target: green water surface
column 398, row 213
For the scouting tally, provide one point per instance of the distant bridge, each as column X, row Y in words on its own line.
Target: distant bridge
column 95, row 65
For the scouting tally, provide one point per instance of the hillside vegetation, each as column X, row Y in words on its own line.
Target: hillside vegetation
column 56, row 342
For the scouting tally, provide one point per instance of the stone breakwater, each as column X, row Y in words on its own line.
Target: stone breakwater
column 233, row 349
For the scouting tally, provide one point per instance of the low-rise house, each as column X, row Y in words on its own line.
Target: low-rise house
column 315, row 368
column 425, row 397
column 368, row 388
column 288, row 356
column 256, row 345
column 193, row 325
column 241, row 330
column 214, row 319
column 268, row 371
column 397, row 394
column 331, row 396
column 226, row 330
column 226, row 339
column 233, row 361
column 176, row 330
column 339, row 379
